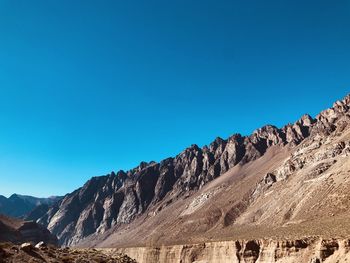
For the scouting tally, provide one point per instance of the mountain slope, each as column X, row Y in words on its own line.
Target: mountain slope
column 19, row 205
column 269, row 183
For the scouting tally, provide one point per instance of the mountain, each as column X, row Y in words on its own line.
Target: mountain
column 19, row 205
column 37, row 212
column 284, row 182
column 20, row 231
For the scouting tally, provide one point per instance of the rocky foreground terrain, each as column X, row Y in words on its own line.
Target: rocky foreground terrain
column 10, row 253
column 18, row 231
column 26, row 241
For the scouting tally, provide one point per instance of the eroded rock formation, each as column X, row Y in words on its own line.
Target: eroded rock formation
column 309, row 250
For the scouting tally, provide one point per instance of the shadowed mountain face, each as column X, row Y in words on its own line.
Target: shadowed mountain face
column 243, row 182
column 19, row 231
column 20, row 205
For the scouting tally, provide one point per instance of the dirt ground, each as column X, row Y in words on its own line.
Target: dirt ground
column 11, row 253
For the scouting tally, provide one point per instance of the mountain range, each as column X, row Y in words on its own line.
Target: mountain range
column 275, row 182
column 273, row 193
column 20, row 205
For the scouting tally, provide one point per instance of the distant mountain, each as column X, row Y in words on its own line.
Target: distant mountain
column 37, row 212
column 20, row 205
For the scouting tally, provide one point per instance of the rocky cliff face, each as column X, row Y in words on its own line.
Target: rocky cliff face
column 249, row 251
column 111, row 202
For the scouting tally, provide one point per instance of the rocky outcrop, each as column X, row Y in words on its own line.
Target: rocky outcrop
column 248, row 251
column 118, row 199
column 19, row 231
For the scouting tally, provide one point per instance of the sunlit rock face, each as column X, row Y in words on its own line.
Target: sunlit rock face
column 249, row 251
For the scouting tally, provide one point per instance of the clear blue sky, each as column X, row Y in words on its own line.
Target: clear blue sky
column 87, row 87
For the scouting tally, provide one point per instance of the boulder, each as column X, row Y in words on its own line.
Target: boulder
column 41, row 245
column 27, row 247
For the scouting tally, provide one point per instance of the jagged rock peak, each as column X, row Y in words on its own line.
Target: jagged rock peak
column 194, row 147
column 339, row 107
column 306, row 120
column 344, row 102
column 218, row 140
column 266, row 128
column 235, row 137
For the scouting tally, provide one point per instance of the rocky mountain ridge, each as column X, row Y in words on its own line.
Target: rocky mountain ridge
column 20, row 205
column 111, row 202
